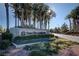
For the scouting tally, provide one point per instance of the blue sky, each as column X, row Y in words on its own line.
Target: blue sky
column 60, row 9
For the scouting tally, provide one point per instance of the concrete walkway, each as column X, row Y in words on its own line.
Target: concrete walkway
column 69, row 37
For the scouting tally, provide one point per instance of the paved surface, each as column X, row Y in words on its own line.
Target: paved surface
column 69, row 37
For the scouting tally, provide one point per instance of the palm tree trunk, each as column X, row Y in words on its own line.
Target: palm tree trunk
column 74, row 25
column 29, row 21
column 34, row 22
column 26, row 22
column 22, row 18
column 48, row 25
column 40, row 24
column 70, row 24
column 7, row 14
column 18, row 22
column 45, row 24
column 15, row 19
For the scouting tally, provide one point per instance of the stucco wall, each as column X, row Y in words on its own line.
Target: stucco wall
column 18, row 31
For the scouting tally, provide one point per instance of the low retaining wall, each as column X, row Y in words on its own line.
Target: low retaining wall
column 25, row 31
column 23, row 45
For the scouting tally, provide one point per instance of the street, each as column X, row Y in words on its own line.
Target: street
column 69, row 37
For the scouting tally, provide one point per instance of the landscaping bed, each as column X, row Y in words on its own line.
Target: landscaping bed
column 32, row 38
column 52, row 48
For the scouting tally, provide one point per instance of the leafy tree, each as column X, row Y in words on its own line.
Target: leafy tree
column 64, row 28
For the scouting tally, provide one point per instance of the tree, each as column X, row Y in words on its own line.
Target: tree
column 15, row 6
column 74, row 14
column 64, row 28
column 50, row 14
column 38, row 13
column 56, row 30
column 69, row 18
column 7, row 15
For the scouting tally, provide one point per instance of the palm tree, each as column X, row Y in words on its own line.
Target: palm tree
column 34, row 16
column 27, row 12
column 38, row 13
column 75, row 15
column 69, row 18
column 50, row 14
column 15, row 6
column 7, row 15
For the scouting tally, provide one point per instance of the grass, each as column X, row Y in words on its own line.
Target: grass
column 53, row 47
column 62, row 43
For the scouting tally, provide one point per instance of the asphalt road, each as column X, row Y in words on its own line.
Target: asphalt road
column 69, row 37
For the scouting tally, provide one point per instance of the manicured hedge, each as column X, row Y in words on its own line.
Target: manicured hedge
column 33, row 37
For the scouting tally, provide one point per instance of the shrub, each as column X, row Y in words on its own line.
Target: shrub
column 38, row 53
column 6, row 40
column 6, row 36
column 4, row 44
column 56, row 37
column 33, row 37
column 2, row 54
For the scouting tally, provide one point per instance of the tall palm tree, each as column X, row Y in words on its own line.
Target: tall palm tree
column 34, row 16
column 34, row 12
column 74, row 15
column 69, row 18
column 7, row 15
column 15, row 6
column 50, row 14
column 27, row 8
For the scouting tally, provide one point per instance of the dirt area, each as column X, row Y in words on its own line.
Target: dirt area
column 72, row 51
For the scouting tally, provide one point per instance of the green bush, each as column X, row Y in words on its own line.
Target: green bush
column 6, row 40
column 2, row 54
column 38, row 53
column 7, row 36
column 33, row 37
column 4, row 44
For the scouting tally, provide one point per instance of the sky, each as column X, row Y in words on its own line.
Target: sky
column 61, row 10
